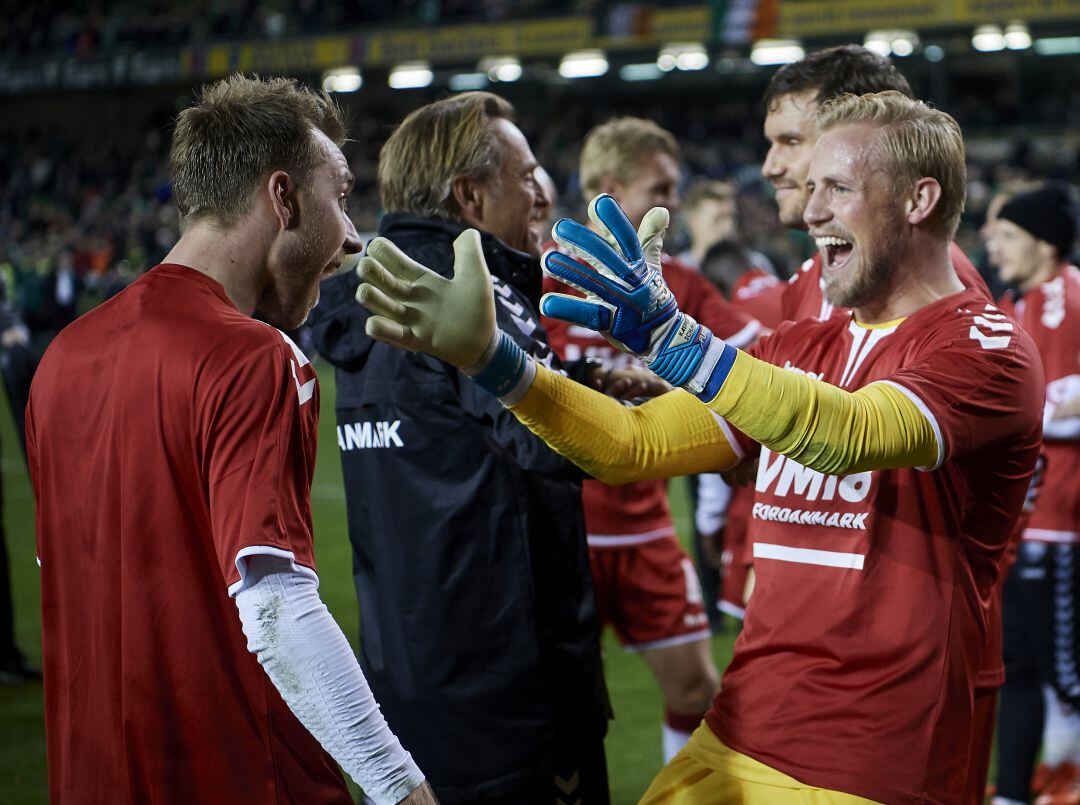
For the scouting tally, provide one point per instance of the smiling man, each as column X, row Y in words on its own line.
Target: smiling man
column 478, row 623
column 171, row 438
column 896, row 444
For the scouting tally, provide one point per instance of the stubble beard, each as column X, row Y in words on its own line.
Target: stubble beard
column 870, row 281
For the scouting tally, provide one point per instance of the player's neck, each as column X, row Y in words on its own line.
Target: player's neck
column 923, row 276
column 226, row 256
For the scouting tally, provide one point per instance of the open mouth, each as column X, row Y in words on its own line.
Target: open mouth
column 835, row 251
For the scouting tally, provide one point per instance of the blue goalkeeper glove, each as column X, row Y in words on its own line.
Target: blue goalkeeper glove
column 627, row 300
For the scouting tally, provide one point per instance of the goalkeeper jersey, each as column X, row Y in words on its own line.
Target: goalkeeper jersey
column 868, row 624
column 168, row 435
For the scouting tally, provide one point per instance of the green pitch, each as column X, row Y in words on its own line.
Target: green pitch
column 633, row 744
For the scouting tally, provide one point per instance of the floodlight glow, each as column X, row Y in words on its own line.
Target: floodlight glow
column 583, row 64
column 988, row 38
column 1058, row 46
column 684, row 56
column 411, row 75
column 1017, row 36
column 902, row 46
column 342, row 79
column 463, row 82
column 692, row 60
column 934, row 52
column 877, row 44
column 640, row 72
column 776, row 51
column 502, row 68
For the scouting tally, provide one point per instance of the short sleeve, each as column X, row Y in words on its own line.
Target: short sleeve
column 979, row 390
column 259, row 428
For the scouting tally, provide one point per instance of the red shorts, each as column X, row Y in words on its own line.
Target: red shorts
column 650, row 594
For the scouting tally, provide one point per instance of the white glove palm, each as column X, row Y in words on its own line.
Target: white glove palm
column 419, row 310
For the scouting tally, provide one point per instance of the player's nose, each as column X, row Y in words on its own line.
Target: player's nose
column 352, row 243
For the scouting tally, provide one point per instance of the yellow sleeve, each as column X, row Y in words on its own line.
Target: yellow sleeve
column 824, row 427
column 674, row 434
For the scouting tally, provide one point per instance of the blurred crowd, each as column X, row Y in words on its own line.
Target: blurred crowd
column 92, row 26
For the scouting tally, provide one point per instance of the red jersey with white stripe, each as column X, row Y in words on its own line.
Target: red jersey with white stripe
column 169, row 435
column 638, row 512
column 1050, row 314
column 804, row 296
column 867, row 628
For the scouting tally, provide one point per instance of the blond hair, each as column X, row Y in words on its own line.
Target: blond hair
column 240, row 131
column 914, row 141
column 436, row 144
column 616, row 149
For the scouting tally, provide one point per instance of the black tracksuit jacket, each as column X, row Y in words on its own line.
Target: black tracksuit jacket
column 479, row 633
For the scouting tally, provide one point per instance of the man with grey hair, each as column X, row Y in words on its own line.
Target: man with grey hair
column 478, row 625
column 171, row 439
column 896, row 443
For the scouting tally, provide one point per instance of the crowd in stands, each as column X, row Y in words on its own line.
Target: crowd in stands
column 81, row 217
column 91, row 26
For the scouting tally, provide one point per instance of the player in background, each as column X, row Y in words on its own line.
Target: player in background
column 1031, row 237
column 854, row 675
column 172, row 444
column 647, row 587
column 722, row 509
column 711, row 213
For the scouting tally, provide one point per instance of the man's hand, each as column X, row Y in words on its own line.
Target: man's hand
column 626, row 298
column 416, row 309
column 627, row 383
column 421, row 795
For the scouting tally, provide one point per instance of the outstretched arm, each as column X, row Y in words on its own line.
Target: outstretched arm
column 815, row 423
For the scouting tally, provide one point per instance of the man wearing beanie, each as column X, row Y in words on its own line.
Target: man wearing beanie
column 1031, row 240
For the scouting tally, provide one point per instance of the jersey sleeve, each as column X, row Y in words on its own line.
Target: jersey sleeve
column 981, row 388
column 259, row 428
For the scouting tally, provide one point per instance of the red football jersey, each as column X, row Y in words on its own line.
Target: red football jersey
column 867, row 628
column 638, row 512
column 760, row 294
column 804, row 296
column 168, row 435
column 1050, row 314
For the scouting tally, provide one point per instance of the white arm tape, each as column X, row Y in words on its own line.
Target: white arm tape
column 306, row 656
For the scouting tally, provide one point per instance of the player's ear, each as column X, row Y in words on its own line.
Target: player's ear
column 923, row 200
column 468, row 199
column 282, row 191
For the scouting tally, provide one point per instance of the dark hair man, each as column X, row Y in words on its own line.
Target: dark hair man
column 854, row 675
column 478, row 625
column 172, row 443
